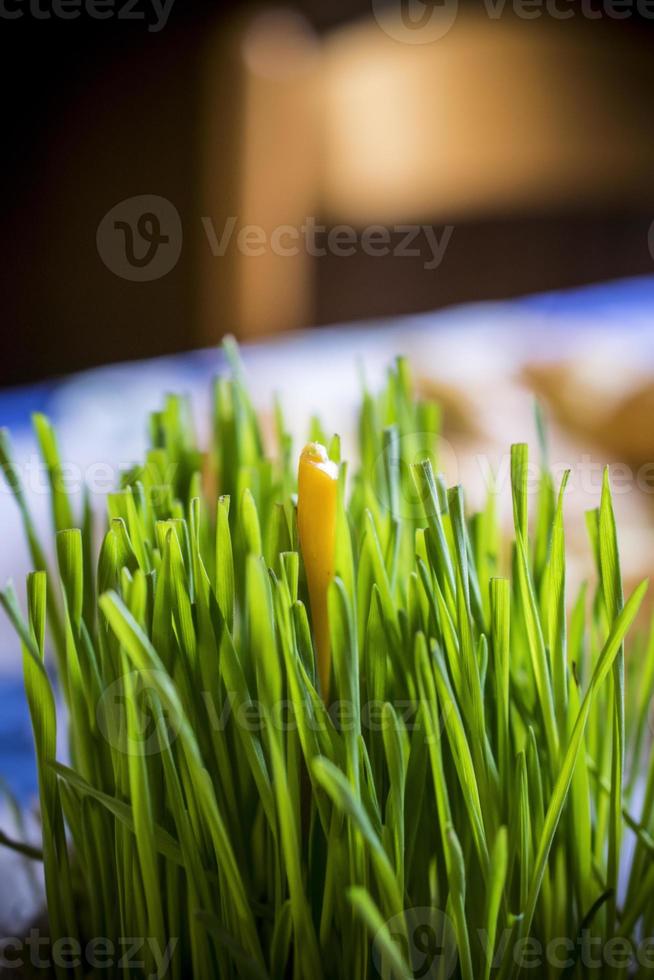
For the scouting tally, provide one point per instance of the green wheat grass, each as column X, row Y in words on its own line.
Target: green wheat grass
column 482, row 769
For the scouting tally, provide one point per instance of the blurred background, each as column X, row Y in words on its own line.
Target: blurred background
column 519, row 133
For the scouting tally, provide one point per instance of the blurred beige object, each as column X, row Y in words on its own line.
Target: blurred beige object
column 460, row 414
column 630, row 429
column 494, row 114
column 488, row 403
column 619, row 421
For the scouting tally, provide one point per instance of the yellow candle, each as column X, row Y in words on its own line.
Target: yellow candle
column 316, row 520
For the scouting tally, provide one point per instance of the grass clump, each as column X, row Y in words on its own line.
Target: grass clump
column 453, row 777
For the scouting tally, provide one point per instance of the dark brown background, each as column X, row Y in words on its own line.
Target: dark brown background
column 97, row 111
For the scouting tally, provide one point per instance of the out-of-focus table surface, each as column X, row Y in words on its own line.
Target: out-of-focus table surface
column 480, row 350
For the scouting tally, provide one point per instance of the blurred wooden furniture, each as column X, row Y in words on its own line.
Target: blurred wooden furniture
column 275, row 62
column 531, row 138
column 497, row 117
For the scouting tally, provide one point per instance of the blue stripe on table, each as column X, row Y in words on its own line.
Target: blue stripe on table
column 17, row 764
